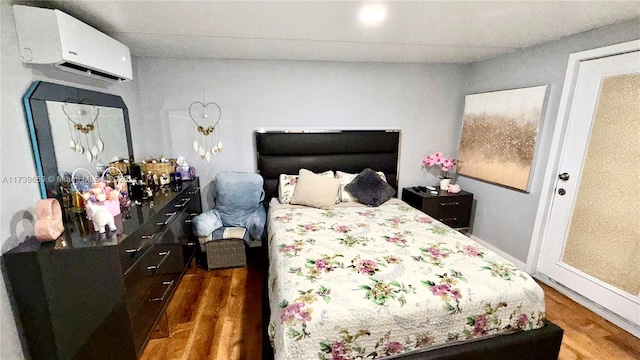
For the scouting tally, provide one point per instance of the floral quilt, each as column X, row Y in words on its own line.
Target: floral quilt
column 366, row 283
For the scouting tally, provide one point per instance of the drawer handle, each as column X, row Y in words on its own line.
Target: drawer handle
column 169, row 284
column 144, row 243
column 452, row 203
column 183, row 203
column 194, row 191
column 170, row 215
column 165, row 256
column 448, row 219
column 190, row 220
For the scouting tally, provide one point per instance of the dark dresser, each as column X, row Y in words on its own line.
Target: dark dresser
column 453, row 210
column 99, row 296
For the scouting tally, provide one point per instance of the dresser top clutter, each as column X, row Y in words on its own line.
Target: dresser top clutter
column 79, row 234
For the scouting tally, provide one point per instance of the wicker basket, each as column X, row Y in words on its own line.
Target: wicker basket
column 225, row 253
column 119, row 165
column 159, row 168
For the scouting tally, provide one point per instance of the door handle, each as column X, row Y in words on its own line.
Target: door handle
column 564, row 176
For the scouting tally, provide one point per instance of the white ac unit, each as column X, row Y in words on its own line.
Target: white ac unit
column 48, row 36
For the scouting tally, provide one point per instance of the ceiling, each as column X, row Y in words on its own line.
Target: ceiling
column 418, row 31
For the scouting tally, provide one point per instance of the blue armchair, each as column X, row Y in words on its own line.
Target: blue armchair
column 238, row 203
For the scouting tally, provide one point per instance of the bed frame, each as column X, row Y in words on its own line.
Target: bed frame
column 349, row 151
column 352, row 151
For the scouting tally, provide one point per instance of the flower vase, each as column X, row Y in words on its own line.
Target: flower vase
column 444, row 184
column 112, row 205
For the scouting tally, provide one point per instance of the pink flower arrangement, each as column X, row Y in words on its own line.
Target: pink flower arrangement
column 101, row 192
column 445, row 164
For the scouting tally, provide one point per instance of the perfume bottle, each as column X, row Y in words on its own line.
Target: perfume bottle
column 164, row 180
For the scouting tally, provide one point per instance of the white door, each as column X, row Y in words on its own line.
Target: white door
column 592, row 240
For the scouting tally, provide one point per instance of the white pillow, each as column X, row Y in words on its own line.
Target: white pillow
column 315, row 190
column 287, row 185
column 346, row 178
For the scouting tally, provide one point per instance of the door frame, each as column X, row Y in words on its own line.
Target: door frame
column 557, row 144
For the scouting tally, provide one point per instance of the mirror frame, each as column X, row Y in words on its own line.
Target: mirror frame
column 35, row 107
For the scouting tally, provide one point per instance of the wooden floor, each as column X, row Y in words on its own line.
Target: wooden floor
column 587, row 335
column 218, row 315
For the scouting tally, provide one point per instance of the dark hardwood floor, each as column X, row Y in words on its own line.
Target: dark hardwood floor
column 217, row 315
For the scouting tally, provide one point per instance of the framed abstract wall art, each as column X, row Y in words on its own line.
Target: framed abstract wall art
column 499, row 134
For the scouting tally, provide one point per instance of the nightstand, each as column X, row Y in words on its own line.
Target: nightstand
column 453, row 210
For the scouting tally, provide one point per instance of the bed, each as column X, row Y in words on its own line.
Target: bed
column 361, row 282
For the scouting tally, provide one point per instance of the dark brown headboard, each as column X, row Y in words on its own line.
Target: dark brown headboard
column 348, row 150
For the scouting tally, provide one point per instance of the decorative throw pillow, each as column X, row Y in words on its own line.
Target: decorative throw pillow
column 370, row 189
column 346, row 178
column 287, row 184
column 314, row 190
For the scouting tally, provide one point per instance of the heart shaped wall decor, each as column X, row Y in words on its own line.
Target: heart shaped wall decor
column 206, row 117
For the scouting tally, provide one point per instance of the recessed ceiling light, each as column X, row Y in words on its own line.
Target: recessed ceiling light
column 372, row 14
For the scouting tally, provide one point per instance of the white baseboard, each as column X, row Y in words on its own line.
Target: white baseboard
column 515, row 261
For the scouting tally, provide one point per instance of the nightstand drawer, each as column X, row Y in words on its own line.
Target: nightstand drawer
column 453, row 210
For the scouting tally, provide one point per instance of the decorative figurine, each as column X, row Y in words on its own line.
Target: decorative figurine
column 100, row 216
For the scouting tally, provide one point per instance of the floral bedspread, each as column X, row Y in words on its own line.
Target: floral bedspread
column 366, row 283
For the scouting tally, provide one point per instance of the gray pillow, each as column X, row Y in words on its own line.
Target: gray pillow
column 370, row 189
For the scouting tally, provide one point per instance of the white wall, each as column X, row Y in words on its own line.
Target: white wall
column 504, row 218
column 17, row 200
column 422, row 100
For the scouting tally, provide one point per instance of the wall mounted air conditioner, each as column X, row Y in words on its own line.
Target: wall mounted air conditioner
column 48, row 36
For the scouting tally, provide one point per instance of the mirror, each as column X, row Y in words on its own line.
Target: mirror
column 86, row 135
column 97, row 124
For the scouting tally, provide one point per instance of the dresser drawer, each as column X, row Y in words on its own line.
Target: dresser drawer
column 156, row 269
column 182, row 228
column 143, row 317
column 133, row 248
column 161, row 259
column 453, row 210
column 150, row 284
column 136, row 245
column 188, row 197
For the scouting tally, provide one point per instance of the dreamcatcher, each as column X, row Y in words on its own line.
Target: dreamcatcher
column 206, row 116
column 84, row 130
